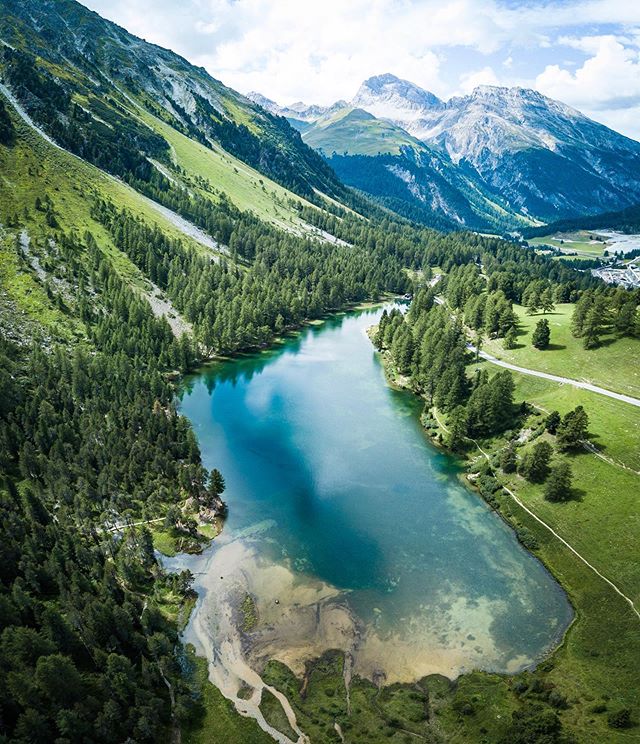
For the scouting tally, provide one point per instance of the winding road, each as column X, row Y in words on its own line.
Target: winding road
column 556, row 378
column 545, row 375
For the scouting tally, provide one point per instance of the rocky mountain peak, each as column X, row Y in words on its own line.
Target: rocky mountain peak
column 386, row 95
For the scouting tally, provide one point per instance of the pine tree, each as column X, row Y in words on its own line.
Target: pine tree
column 592, row 329
column 627, row 319
column 552, row 422
column 573, row 429
column 580, row 313
column 216, row 482
column 546, row 301
column 509, row 458
column 558, row 485
column 541, row 334
column 535, row 464
column 533, row 304
column 511, row 338
column 457, row 425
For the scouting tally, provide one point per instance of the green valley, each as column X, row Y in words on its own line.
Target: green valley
column 257, row 480
column 612, row 365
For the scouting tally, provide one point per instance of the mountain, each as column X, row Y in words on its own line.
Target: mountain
column 403, row 174
column 298, row 113
column 90, row 72
column 513, row 156
column 626, row 221
column 545, row 158
column 388, row 97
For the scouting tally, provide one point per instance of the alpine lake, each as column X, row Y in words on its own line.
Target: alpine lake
column 348, row 529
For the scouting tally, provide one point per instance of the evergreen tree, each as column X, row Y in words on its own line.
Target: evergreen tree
column 546, row 301
column 535, row 463
column 216, row 482
column 511, row 338
column 580, row 313
column 457, row 425
column 558, row 485
column 509, row 458
column 627, row 319
column 592, row 329
column 552, row 422
column 541, row 334
column 573, row 429
column 532, row 299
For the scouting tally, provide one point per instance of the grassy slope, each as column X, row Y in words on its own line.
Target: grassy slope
column 603, row 525
column 603, row 521
column 614, row 365
column 245, row 187
column 34, row 168
column 358, row 133
column 597, row 662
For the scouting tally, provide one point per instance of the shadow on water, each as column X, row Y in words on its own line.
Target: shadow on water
column 245, row 366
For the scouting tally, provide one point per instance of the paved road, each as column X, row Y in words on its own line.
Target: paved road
column 556, row 378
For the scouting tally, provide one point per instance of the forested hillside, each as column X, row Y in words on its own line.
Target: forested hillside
column 150, row 220
column 78, row 73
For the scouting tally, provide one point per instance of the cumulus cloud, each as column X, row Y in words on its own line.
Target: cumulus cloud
column 321, row 51
column 608, row 79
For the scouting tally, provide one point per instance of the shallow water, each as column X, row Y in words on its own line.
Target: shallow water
column 339, row 504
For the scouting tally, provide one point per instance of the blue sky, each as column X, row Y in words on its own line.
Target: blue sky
column 585, row 53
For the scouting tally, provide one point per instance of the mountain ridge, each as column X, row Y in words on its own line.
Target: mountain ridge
column 541, row 159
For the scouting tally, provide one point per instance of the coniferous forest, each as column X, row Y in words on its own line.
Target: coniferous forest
column 110, row 297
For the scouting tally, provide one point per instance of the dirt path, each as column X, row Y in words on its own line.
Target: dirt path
column 563, row 541
column 574, row 551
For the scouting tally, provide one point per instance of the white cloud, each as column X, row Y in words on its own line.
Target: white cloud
column 321, row 51
column 611, row 75
column 471, row 80
column 606, row 86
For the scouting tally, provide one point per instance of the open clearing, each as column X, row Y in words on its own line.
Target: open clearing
column 613, row 365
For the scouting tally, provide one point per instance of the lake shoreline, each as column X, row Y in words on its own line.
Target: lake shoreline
column 397, row 382
column 263, row 650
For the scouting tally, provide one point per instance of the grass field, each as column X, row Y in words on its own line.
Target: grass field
column 245, row 187
column 586, row 244
column 358, row 133
column 614, row 365
column 602, row 523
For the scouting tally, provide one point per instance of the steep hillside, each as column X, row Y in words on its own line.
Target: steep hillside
column 75, row 71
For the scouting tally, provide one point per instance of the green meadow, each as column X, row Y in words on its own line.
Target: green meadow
column 613, row 365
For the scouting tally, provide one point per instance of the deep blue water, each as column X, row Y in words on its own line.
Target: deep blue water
column 310, row 436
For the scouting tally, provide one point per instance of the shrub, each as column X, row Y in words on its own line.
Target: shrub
column 620, row 718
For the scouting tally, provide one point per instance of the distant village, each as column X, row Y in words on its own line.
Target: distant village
column 626, row 276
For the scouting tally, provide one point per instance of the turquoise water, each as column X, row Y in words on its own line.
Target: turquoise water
column 310, row 437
